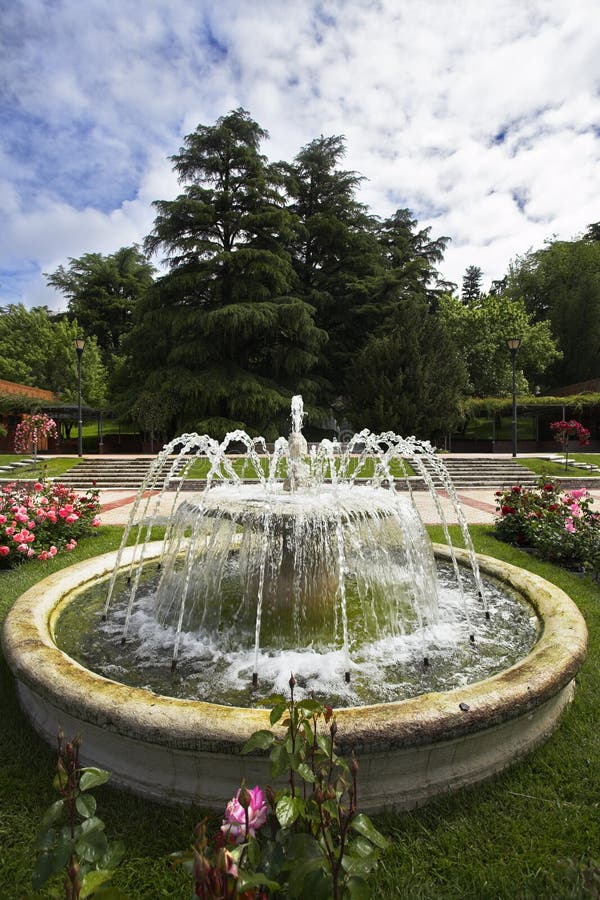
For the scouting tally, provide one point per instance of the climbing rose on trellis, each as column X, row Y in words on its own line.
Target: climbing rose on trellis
column 31, row 429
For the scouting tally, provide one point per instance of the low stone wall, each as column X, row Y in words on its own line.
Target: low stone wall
column 189, row 751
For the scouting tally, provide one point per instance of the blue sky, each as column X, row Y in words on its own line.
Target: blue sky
column 481, row 116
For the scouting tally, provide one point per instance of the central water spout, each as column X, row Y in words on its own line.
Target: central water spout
column 298, row 470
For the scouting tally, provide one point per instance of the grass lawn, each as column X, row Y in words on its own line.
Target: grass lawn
column 483, row 428
column 544, row 467
column 45, row 468
column 528, row 833
column 201, row 467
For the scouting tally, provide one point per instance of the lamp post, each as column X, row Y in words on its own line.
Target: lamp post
column 513, row 345
column 79, row 345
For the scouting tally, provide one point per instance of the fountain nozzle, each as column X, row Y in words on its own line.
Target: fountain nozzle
column 347, row 677
column 255, row 679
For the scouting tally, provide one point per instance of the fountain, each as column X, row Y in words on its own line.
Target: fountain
column 304, row 568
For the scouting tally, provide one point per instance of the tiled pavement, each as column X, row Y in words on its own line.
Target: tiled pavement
column 478, row 506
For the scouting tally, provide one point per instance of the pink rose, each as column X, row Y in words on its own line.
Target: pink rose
column 4, row 550
column 578, row 493
column 234, row 823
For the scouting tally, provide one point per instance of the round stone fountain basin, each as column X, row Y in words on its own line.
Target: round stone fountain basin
column 189, row 751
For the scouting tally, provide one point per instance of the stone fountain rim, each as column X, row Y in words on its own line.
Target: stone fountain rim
column 48, row 672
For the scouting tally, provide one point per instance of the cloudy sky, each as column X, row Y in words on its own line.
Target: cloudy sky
column 481, row 116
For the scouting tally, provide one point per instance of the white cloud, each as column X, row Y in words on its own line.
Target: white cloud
column 482, row 118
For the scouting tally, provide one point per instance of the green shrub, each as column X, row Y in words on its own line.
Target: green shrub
column 39, row 520
column 560, row 525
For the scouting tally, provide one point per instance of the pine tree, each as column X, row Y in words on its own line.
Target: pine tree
column 223, row 338
column 409, row 377
column 407, row 373
column 471, row 287
column 334, row 250
column 593, row 232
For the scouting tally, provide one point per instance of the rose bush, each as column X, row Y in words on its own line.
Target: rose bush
column 31, row 430
column 561, row 525
column 39, row 520
column 305, row 839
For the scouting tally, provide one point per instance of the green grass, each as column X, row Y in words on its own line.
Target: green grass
column 109, row 426
column 483, row 428
column 528, row 833
column 6, row 458
column 544, row 467
column 45, row 468
column 200, row 468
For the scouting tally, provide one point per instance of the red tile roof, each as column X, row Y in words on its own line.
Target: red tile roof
column 11, row 388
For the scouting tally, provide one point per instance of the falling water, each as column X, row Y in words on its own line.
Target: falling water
column 307, row 555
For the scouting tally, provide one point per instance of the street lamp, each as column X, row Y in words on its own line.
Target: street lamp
column 513, row 345
column 79, row 345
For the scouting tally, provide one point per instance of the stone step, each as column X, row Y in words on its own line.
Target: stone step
column 110, row 474
column 129, row 474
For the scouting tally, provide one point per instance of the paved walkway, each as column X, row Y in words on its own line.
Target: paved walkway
column 478, row 505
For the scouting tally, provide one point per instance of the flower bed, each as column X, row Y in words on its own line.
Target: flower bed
column 559, row 524
column 40, row 520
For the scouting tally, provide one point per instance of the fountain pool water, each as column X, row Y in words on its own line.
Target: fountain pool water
column 307, row 570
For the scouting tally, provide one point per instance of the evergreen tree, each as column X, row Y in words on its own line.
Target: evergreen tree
column 471, row 286
column 334, row 250
column 498, row 286
column 223, row 338
column 409, row 377
column 408, row 372
column 410, row 257
column 593, row 232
